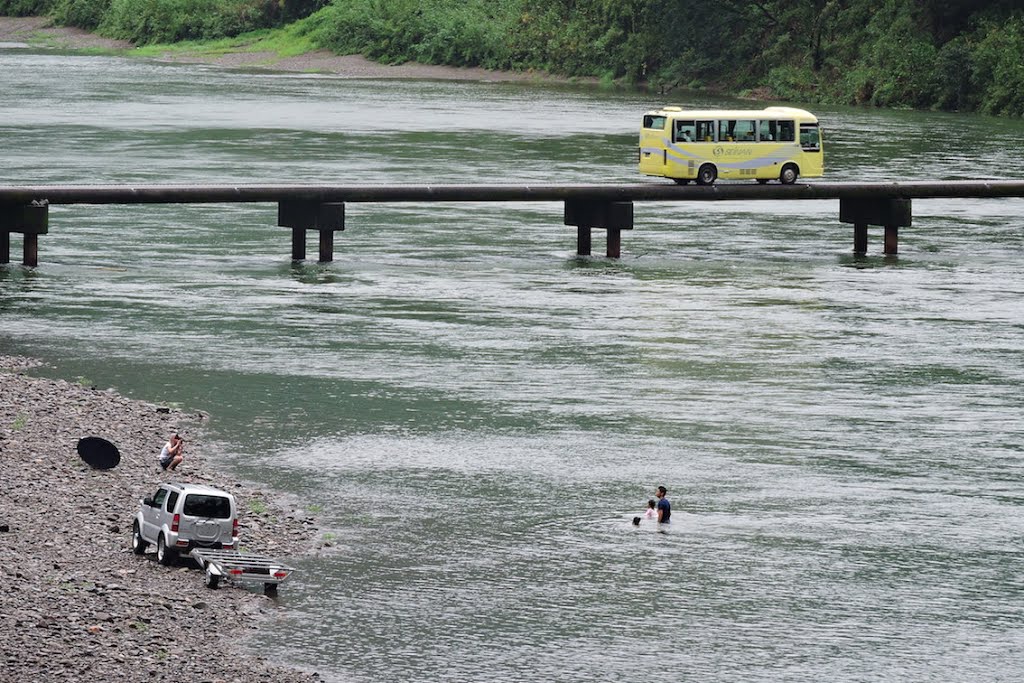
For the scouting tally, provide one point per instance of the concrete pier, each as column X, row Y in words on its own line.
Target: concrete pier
column 31, row 220
column 304, row 215
column 890, row 213
column 614, row 217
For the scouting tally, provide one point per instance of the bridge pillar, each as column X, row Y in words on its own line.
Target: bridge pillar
column 611, row 216
column 583, row 241
column 301, row 216
column 31, row 220
column 891, row 245
column 893, row 214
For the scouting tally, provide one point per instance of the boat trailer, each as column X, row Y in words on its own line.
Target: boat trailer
column 233, row 566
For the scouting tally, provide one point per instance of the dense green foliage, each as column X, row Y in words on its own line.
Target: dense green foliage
column 428, row 31
column 943, row 54
column 25, row 8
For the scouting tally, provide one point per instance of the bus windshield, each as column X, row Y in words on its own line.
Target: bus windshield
column 810, row 139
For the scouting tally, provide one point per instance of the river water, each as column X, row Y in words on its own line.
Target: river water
column 475, row 414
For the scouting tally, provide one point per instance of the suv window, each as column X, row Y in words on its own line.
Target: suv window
column 201, row 505
column 158, row 497
column 172, row 500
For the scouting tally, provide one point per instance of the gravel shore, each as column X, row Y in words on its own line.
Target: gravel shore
column 76, row 604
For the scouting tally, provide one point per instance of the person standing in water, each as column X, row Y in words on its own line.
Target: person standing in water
column 664, row 507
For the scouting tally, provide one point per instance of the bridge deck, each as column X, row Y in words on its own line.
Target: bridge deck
column 653, row 191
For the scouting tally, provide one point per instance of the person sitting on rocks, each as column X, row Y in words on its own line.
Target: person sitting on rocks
column 172, row 453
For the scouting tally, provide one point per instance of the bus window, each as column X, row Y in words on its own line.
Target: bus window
column 787, row 131
column 725, row 131
column 706, row 131
column 685, row 131
column 655, row 122
column 809, row 138
column 743, row 131
column 736, row 130
column 766, row 131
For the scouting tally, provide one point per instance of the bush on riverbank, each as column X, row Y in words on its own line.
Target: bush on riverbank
column 943, row 54
column 25, row 8
column 170, row 21
column 426, row 31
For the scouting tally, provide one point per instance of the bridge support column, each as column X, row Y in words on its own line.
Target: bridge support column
column 862, row 212
column 326, row 246
column 301, row 216
column 587, row 214
column 298, row 244
column 31, row 220
column 891, row 239
column 614, row 247
column 860, row 239
column 583, row 241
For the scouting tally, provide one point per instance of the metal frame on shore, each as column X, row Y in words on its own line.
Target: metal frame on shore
column 25, row 209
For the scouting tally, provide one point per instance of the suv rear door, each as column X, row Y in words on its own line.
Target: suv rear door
column 206, row 518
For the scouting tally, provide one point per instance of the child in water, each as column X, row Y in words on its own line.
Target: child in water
column 650, row 513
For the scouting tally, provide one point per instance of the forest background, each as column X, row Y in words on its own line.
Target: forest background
column 957, row 55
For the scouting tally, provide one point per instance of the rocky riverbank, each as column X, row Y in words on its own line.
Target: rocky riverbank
column 76, row 604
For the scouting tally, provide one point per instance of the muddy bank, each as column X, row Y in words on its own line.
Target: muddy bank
column 77, row 604
column 37, row 30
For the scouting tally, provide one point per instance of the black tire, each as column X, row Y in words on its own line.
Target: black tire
column 164, row 555
column 707, row 174
column 138, row 544
column 789, row 174
column 682, row 181
column 212, row 580
column 762, row 181
column 270, row 590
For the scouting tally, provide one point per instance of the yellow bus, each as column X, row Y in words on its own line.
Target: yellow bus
column 775, row 143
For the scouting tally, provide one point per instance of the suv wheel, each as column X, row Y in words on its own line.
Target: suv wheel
column 164, row 555
column 138, row 545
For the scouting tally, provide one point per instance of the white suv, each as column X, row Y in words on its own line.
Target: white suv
column 179, row 517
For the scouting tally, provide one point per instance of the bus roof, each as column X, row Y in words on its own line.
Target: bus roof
column 766, row 113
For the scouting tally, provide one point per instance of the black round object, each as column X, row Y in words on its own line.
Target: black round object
column 98, row 453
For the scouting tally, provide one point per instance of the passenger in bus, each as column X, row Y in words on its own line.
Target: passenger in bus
column 685, row 136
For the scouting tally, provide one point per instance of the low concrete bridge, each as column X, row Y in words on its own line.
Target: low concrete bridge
column 301, row 208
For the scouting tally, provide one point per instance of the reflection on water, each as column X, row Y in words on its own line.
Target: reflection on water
column 477, row 413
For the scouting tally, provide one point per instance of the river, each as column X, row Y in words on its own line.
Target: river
column 475, row 414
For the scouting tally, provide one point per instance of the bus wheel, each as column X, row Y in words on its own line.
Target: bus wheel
column 789, row 174
column 682, row 181
column 707, row 174
column 762, row 181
